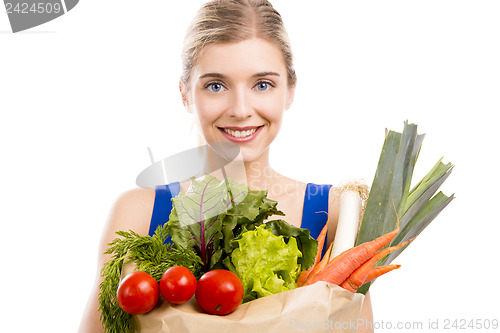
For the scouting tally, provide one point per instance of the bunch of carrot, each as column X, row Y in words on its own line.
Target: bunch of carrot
column 351, row 268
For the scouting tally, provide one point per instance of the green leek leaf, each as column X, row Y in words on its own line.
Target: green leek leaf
column 390, row 193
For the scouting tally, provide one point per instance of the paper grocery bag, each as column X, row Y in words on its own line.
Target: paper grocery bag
column 321, row 307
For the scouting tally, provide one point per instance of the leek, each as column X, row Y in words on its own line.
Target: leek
column 416, row 208
column 352, row 199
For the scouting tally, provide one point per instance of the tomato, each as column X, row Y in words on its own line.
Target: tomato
column 219, row 292
column 138, row 293
column 177, row 285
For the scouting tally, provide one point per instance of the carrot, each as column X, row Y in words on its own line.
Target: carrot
column 322, row 264
column 375, row 272
column 358, row 276
column 302, row 276
column 348, row 261
column 321, row 241
column 326, row 257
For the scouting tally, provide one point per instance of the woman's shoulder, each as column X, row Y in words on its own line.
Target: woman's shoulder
column 132, row 210
column 135, row 198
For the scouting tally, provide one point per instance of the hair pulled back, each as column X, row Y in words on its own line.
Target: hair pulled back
column 227, row 21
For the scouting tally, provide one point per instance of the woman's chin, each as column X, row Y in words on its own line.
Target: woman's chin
column 250, row 155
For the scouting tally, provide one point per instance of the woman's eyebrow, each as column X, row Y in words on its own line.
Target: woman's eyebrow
column 222, row 76
column 217, row 75
column 262, row 74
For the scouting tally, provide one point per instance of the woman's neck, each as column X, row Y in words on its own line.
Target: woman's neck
column 259, row 174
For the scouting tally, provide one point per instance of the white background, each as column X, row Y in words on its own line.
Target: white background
column 83, row 96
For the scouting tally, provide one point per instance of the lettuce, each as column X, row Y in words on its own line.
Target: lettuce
column 306, row 244
column 265, row 263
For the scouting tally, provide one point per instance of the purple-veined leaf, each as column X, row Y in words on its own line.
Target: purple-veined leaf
column 196, row 218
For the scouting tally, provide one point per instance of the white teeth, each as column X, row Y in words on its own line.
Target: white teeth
column 240, row 134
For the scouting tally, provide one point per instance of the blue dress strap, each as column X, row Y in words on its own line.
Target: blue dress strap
column 162, row 205
column 315, row 202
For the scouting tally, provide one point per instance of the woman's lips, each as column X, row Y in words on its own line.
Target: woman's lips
column 241, row 134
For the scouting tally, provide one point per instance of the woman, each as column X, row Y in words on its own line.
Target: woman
column 237, row 80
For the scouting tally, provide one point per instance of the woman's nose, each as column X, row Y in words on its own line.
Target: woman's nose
column 241, row 107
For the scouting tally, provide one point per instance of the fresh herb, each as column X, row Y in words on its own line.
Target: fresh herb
column 150, row 254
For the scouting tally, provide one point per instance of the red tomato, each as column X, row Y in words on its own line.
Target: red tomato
column 177, row 285
column 138, row 293
column 219, row 292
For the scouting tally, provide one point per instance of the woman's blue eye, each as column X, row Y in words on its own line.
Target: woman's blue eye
column 215, row 87
column 262, row 86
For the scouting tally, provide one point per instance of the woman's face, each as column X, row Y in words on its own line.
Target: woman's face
column 238, row 94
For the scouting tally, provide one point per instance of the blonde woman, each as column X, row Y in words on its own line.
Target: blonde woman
column 237, row 81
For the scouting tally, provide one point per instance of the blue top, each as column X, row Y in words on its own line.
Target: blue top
column 315, row 202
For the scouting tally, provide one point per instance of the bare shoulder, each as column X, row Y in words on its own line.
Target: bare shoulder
column 132, row 210
column 136, row 198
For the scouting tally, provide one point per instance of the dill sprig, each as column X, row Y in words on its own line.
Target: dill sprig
column 150, row 254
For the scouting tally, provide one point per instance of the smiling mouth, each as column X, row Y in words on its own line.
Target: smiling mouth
column 240, row 133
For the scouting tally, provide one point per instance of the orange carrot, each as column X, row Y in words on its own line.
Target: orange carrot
column 321, row 241
column 375, row 272
column 326, row 257
column 348, row 261
column 358, row 277
column 302, row 276
column 322, row 264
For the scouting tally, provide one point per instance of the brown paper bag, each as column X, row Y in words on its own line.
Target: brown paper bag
column 321, row 307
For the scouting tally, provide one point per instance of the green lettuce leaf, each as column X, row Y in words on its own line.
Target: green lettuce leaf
column 306, row 244
column 265, row 263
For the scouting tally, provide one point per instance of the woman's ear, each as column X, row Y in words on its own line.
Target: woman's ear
column 289, row 97
column 185, row 100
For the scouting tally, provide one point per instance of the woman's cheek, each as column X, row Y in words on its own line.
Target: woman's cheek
column 209, row 108
column 271, row 108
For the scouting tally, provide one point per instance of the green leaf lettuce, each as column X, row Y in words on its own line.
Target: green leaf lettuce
column 265, row 263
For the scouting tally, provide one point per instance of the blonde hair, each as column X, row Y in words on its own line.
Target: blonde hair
column 226, row 21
